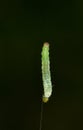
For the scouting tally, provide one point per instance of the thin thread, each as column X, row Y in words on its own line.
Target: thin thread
column 41, row 116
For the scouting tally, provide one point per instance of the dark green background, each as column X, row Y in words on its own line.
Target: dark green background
column 24, row 26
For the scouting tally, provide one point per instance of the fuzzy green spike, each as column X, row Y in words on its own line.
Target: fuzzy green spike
column 46, row 76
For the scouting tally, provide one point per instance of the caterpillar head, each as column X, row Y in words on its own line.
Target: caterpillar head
column 45, row 99
column 46, row 44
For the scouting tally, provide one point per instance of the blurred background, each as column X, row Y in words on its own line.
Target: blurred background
column 24, row 27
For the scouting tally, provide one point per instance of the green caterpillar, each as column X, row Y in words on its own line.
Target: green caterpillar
column 46, row 76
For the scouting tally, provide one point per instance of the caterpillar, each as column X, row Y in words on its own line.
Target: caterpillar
column 46, row 75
